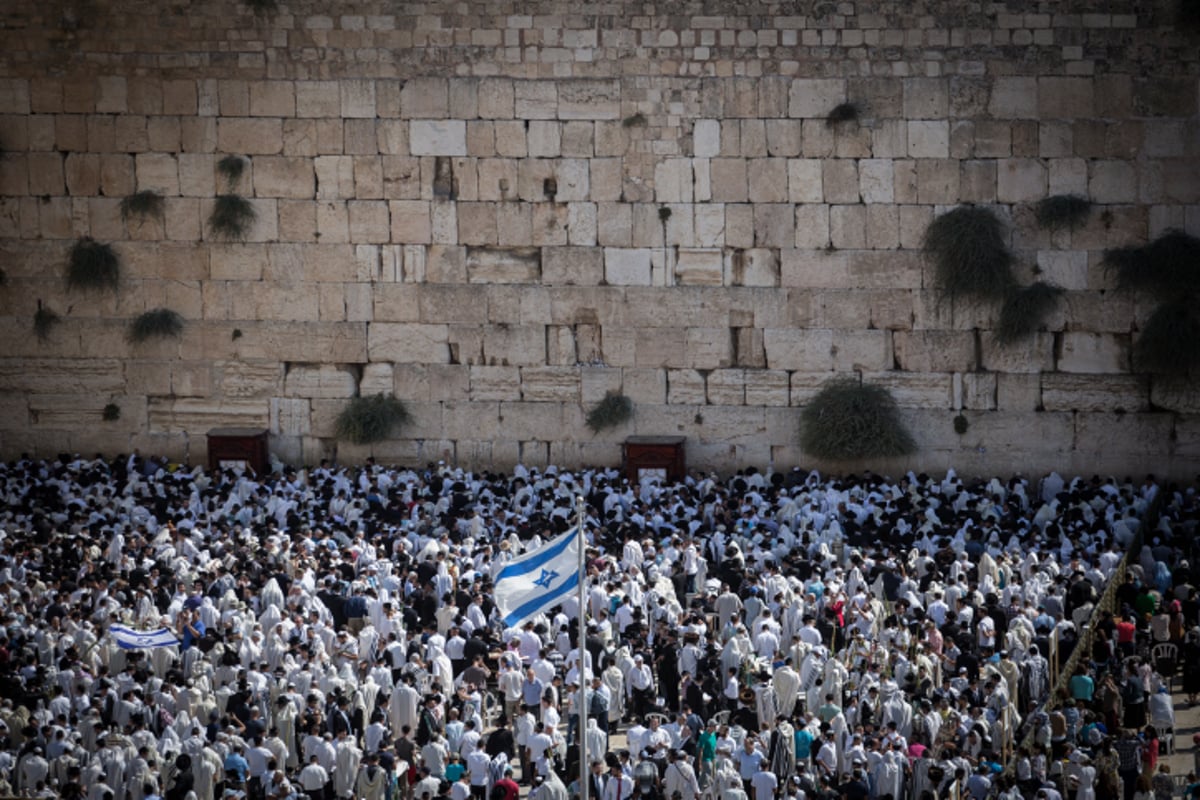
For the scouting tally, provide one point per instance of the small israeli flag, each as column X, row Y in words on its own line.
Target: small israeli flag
column 538, row 580
column 129, row 639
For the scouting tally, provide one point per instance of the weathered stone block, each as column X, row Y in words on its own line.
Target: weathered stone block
column 706, row 138
column 708, row 348
column 699, row 267
column 550, row 384
column 325, row 381
column 197, row 415
column 1031, row 355
column 1094, row 353
column 627, row 267
column 586, row 98
column 728, row 180
column 815, row 97
column 1020, row 180
column 250, row 136
column 494, row 383
column 1014, row 98
column 767, row 180
column 935, row 351
column 929, row 139
column 726, row 387
column 915, row 389
column 520, row 345
column 685, row 387
column 1062, row 392
column 437, row 137
column 926, row 98
column 403, row 343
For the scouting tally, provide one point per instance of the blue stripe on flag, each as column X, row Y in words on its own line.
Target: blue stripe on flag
column 129, row 639
column 529, row 562
column 550, row 598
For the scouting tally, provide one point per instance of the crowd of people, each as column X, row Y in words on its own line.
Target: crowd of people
column 762, row 635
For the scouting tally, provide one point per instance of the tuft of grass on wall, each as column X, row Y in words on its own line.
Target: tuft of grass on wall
column 262, row 8
column 969, row 254
column 372, row 419
column 44, row 320
column 849, row 420
column 843, row 112
column 231, row 218
column 1165, row 267
column 637, row 120
column 111, row 413
column 1025, row 311
column 231, row 168
column 3, row 278
column 609, row 412
column 1063, row 212
column 93, row 265
column 155, row 324
column 1169, row 344
column 142, row 205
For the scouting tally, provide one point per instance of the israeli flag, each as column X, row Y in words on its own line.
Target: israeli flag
column 538, row 580
column 129, row 639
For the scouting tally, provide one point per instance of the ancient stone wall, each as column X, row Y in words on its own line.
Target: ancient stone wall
column 500, row 211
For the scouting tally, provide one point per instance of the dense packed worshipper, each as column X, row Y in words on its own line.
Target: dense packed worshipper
column 333, row 633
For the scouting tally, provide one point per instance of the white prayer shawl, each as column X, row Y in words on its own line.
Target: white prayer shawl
column 347, row 762
column 403, row 708
column 787, row 687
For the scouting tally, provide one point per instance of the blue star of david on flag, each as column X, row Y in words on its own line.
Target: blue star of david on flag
column 546, row 578
column 539, row 579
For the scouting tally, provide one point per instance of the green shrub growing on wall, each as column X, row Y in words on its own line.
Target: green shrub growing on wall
column 849, row 420
column 372, row 419
column 1169, row 343
column 969, row 254
column 93, row 265
column 154, row 324
column 1025, row 311
column 1063, row 212
column 231, row 218
column 842, row 112
column 611, row 411
column 44, row 320
column 1168, row 269
column 142, row 205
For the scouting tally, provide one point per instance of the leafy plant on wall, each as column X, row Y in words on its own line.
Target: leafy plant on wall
column 610, row 411
column 1167, row 270
column 155, row 324
column 373, row 418
column 93, row 265
column 969, row 254
column 232, row 215
column 850, row 420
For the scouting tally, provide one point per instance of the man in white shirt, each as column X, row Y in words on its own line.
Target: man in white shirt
column 619, row 786
column 680, row 777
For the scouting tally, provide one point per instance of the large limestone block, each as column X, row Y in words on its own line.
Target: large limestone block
column 517, row 345
column 1033, row 354
column 488, row 383
column 542, row 422
column 673, row 180
column 850, row 270
column 706, row 138
column 246, row 379
column 685, row 387
column 627, row 267
column 438, row 137
column 661, row 347
column 765, row 387
column 916, row 389
column 377, row 378
column 815, row 97
column 404, row 343
column 1094, row 353
column 644, row 385
column 933, row 351
column 61, row 376
column 284, row 177
column 535, row 99
column 325, row 381
column 708, row 348
column 806, row 350
column 572, row 266
column 66, row 411
column 699, row 267
column 195, row 415
column 250, row 136
column 1063, row 392
column 1020, row 180
column 732, row 426
column 1014, row 98
column 471, row 420
column 550, row 384
column 726, row 387
column 584, row 98
column 290, row 416
column 675, row 307
column 504, row 265
column 1128, row 434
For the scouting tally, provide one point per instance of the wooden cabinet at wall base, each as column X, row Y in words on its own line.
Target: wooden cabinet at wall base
column 654, row 458
column 229, row 447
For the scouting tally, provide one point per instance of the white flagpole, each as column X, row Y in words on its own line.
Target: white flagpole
column 585, row 773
